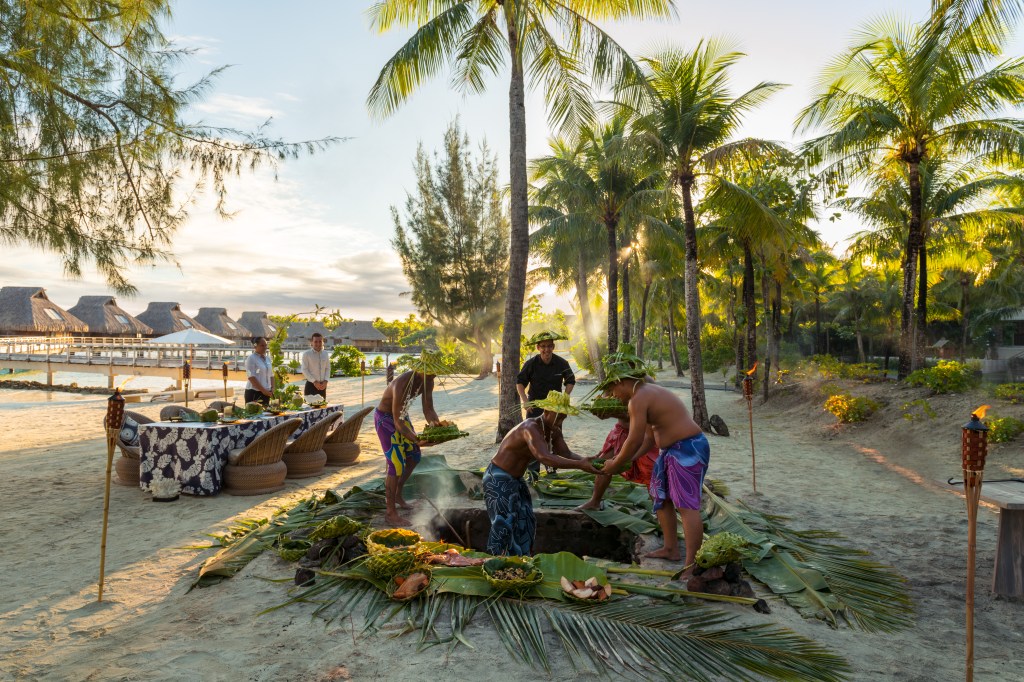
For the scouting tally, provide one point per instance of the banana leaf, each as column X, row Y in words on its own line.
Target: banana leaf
column 230, row 560
column 555, row 566
column 610, row 516
column 465, row 580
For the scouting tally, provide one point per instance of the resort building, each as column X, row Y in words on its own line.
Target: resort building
column 105, row 318
column 299, row 333
column 359, row 333
column 27, row 311
column 167, row 318
column 257, row 324
column 217, row 322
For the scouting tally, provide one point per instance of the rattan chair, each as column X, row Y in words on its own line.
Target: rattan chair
column 127, row 465
column 257, row 468
column 177, row 411
column 305, row 456
column 341, row 446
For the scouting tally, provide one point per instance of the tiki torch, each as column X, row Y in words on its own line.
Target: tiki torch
column 362, row 380
column 224, row 374
column 186, row 376
column 974, row 447
column 748, row 393
column 112, row 422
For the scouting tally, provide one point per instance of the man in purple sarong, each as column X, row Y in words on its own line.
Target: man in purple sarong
column 683, row 460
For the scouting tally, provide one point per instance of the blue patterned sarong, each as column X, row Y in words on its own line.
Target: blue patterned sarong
column 678, row 474
column 510, row 510
column 398, row 450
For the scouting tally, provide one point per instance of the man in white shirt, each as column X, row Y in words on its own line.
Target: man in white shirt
column 316, row 367
column 260, row 371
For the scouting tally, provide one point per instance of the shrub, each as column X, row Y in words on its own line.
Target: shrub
column 1013, row 393
column 1004, row 429
column 717, row 348
column 918, row 409
column 948, row 376
column 848, row 409
column 345, row 361
column 831, row 368
column 378, row 362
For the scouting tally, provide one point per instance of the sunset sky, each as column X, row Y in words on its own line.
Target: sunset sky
column 320, row 234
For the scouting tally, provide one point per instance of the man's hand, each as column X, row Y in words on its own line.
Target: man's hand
column 585, row 465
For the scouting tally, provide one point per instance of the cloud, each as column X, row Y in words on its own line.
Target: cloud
column 239, row 108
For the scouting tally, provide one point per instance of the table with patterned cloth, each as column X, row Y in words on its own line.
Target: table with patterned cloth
column 194, row 453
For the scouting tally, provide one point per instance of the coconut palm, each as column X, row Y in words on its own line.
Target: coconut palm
column 478, row 38
column 690, row 123
column 905, row 92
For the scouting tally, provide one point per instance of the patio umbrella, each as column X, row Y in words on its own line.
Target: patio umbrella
column 192, row 337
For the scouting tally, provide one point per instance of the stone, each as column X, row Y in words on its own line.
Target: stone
column 718, row 426
column 719, row 586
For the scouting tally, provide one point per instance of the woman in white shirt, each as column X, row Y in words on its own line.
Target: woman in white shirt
column 316, row 367
column 259, row 368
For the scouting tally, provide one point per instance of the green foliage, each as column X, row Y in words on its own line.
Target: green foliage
column 717, row 348
column 1004, row 429
column 458, row 356
column 848, row 409
column 283, row 391
column 405, row 332
column 947, row 376
column 918, row 409
column 829, row 367
column 1013, row 393
column 345, row 361
column 378, row 362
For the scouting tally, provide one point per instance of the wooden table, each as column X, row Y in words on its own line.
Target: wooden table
column 1008, row 577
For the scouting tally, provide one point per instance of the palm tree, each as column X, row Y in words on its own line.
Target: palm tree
column 478, row 37
column 690, row 123
column 903, row 93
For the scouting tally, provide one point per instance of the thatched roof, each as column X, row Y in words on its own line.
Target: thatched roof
column 105, row 318
column 167, row 318
column 258, row 324
column 27, row 310
column 216, row 321
column 303, row 331
column 358, row 330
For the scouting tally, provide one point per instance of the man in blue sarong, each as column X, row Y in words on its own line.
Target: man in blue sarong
column 506, row 494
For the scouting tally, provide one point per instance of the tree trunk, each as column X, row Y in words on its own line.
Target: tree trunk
column 483, row 351
column 965, row 283
column 661, row 347
column 860, row 346
column 613, row 286
column 817, row 322
column 739, row 342
column 749, row 304
column 766, row 325
column 673, row 353
column 910, row 257
column 922, row 303
column 777, row 325
column 583, row 296
column 643, row 320
column 519, row 247
column 627, row 318
column 697, row 397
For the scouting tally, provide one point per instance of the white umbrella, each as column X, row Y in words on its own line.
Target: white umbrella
column 192, row 337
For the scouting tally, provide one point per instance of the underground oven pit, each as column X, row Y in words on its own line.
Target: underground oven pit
column 557, row 531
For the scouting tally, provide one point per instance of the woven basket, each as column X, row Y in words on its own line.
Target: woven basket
column 127, row 471
column 606, row 408
column 386, row 565
column 391, row 539
column 259, row 479
column 304, row 464
column 533, row 575
column 333, row 528
column 341, row 454
column 293, row 550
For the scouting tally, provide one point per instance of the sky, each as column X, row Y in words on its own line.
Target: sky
column 320, row 232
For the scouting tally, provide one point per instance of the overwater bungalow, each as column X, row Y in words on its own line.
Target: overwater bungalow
column 27, row 311
column 299, row 333
column 258, row 324
column 105, row 318
column 217, row 321
column 167, row 318
column 359, row 333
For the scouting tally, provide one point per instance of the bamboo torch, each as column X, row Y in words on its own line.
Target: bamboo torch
column 362, row 381
column 748, row 393
column 112, row 422
column 186, row 376
column 973, row 449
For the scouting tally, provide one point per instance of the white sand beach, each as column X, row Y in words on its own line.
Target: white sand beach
column 880, row 485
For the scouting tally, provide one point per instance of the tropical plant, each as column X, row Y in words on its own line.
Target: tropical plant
column 478, row 38
column 918, row 409
column 1013, row 393
column 947, row 376
column 1004, row 429
column 345, row 361
column 849, row 409
column 94, row 135
column 902, row 94
column 453, row 243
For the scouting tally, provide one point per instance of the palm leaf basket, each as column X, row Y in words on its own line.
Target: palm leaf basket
column 338, row 526
column 293, row 550
column 603, row 408
column 393, row 586
column 386, row 565
column 492, row 566
column 390, row 539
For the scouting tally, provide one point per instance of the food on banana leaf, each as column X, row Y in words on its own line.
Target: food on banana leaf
column 441, row 434
column 511, row 573
column 410, row 586
column 720, row 549
column 590, row 589
column 607, row 407
column 451, row 557
column 389, row 539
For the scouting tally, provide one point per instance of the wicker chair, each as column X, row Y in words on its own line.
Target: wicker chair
column 176, row 411
column 305, row 456
column 257, row 468
column 341, row 446
column 127, row 465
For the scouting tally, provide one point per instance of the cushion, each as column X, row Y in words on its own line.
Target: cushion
column 234, row 455
column 129, row 435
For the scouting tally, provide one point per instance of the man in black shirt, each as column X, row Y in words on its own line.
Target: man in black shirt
column 544, row 372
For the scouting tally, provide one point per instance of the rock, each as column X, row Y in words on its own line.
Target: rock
column 304, row 576
column 718, row 426
column 719, row 586
column 743, row 589
column 322, row 549
column 695, row 584
column 761, row 606
column 733, row 572
column 713, row 573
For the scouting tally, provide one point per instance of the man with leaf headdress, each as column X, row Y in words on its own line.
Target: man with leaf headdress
column 544, row 372
column 506, row 493
column 398, row 438
column 678, row 475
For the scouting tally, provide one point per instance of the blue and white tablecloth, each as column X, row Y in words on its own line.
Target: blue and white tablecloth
column 194, row 454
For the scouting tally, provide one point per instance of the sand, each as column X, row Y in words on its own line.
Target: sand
column 878, row 483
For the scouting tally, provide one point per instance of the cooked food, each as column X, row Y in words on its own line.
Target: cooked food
column 590, row 589
column 451, row 557
column 411, row 585
column 511, row 573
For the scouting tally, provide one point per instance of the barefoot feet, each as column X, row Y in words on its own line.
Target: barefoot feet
column 597, row 506
column 395, row 520
column 665, row 553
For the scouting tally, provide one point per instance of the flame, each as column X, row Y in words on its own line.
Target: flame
column 980, row 412
column 125, row 383
column 750, row 372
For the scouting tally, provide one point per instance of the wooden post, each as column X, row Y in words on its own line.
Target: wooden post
column 973, row 450
column 112, row 422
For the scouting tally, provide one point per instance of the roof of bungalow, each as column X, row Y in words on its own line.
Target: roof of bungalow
column 257, row 323
column 105, row 318
column 359, row 330
column 305, row 330
column 28, row 310
column 166, row 318
column 217, row 321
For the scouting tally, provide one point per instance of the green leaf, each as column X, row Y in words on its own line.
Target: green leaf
column 613, row 517
column 555, row 566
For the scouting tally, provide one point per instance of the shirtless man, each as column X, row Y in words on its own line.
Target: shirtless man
column 679, row 471
column 641, row 463
column 506, row 494
column 398, row 439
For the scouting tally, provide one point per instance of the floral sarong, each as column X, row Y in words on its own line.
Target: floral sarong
column 510, row 510
column 398, row 450
column 679, row 473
